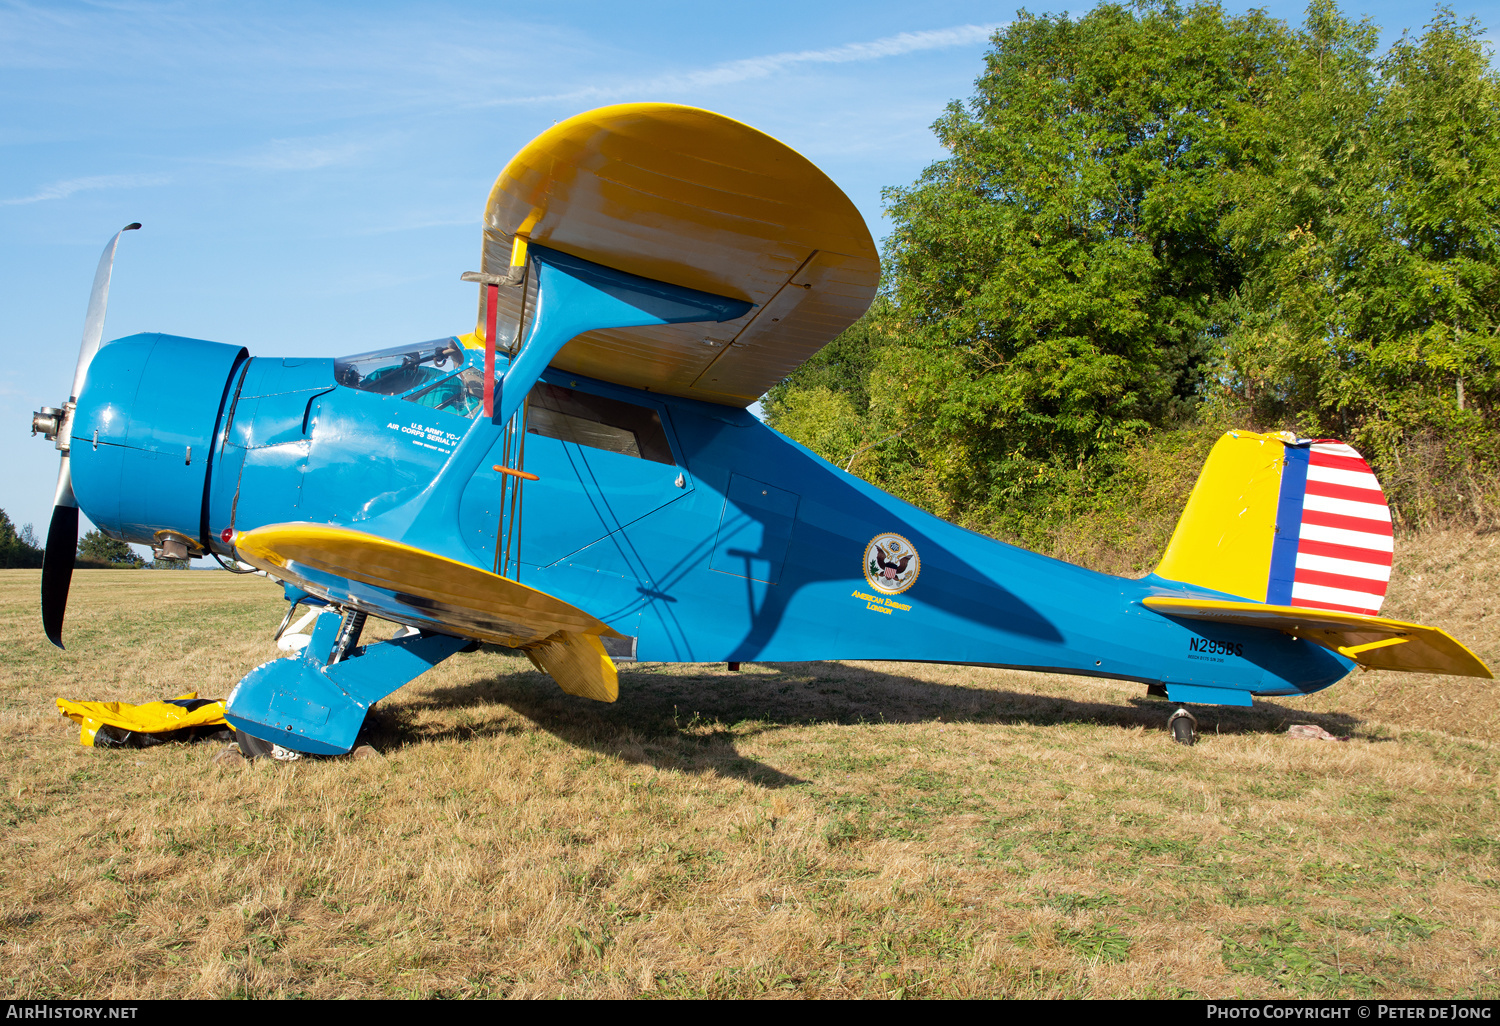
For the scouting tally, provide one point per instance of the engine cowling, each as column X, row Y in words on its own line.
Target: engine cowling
column 143, row 436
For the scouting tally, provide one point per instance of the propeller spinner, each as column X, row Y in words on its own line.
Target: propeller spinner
column 56, row 425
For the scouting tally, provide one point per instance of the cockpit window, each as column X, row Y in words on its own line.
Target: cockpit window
column 461, row 393
column 402, row 369
column 600, row 423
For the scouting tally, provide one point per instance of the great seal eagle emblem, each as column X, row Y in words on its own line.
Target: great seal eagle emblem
column 891, row 563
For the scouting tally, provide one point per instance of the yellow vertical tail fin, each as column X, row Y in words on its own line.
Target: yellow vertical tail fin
column 1285, row 521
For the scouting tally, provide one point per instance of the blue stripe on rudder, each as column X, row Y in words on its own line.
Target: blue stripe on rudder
column 1288, row 526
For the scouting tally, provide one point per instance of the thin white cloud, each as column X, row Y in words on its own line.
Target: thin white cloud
column 300, row 154
column 277, row 155
column 420, row 224
column 749, row 68
column 64, row 189
column 356, row 285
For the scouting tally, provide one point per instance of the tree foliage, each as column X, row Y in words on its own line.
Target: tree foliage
column 98, row 549
column 18, row 549
column 1374, row 223
column 1160, row 217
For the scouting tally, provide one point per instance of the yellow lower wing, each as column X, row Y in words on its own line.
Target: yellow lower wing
column 579, row 664
column 1371, row 641
column 414, row 586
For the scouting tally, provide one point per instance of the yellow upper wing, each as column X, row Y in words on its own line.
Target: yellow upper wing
column 1371, row 641
column 693, row 198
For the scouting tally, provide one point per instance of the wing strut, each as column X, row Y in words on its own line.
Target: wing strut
column 515, row 275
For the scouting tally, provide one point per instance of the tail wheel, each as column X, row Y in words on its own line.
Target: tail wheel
column 1184, row 727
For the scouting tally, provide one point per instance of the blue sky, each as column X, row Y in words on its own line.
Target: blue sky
column 311, row 175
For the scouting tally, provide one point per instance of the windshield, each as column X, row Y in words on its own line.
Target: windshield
column 401, row 369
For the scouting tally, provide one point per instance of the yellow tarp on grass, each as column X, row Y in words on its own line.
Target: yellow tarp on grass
column 154, row 718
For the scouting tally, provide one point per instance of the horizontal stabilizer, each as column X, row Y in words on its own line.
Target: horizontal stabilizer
column 579, row 664
column 1373, row 642
column 408, row 584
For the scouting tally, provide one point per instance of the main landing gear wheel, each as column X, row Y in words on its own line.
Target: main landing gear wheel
column 1184, row 727
column 252, row 747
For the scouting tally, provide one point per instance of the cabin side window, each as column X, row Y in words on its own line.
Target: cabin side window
column 599, row 423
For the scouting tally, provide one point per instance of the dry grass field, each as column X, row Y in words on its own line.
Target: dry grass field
column 821, row 830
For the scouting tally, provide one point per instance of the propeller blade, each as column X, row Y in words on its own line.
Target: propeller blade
column 62, row 533
column 57, row 559
column 93, row 322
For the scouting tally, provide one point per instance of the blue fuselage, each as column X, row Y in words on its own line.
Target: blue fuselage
column 733, row 543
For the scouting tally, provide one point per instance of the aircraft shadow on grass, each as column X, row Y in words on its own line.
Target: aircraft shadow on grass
column 691, row 723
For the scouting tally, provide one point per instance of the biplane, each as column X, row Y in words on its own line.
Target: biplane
column 579, row 477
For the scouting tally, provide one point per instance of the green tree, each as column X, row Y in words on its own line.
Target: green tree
column 17, row 549
column 1056, row 285
column 1163, row 218
column 1375, row 218
column 98, row 549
